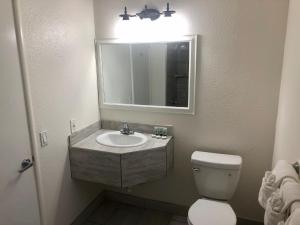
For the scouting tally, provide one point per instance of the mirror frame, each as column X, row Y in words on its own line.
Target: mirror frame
column 190, row 109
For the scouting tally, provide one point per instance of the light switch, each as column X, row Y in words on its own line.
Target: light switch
column 73, row 125
column 44, row 138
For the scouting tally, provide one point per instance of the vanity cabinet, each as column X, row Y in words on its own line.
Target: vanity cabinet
column 121, row 167
column 94, row 166
column 140, row 167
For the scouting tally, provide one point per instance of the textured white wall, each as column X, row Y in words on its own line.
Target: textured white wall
column 59, row 48
column 287, row 140
column 238, row 79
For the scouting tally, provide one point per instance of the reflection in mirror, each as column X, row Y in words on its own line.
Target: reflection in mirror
column 153, row 74
column 146, row 74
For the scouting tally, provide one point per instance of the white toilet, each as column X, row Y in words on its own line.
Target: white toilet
column 216, row 177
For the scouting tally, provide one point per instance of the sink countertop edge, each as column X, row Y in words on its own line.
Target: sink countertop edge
column 89, row 143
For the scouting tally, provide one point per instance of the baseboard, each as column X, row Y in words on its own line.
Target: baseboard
column 243, row 221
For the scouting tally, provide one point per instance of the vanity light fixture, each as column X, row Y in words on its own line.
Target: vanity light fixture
column 126, row 16
column 147, row 13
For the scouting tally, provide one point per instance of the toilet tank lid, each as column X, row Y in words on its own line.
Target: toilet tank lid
column 216, row 160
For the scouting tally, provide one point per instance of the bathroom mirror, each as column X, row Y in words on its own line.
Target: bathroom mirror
column 152, row 76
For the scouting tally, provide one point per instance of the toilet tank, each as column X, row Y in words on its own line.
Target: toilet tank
column 216, row 175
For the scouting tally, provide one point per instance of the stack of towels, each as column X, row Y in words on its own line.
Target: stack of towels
column 279, row 195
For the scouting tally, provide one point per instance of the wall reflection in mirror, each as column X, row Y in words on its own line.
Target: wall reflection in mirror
column 146, row 73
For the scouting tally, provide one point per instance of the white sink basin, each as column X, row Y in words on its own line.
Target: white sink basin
column 116, row 139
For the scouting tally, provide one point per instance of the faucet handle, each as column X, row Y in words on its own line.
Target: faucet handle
column 126, row 130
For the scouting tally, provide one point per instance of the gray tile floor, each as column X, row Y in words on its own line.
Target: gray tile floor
column 115, row 213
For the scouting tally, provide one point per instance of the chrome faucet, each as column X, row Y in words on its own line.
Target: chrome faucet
column 126, row 130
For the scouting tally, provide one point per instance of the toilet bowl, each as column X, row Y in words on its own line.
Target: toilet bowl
column 216, row 177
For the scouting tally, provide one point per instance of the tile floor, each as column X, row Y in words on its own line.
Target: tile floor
column 115, row 213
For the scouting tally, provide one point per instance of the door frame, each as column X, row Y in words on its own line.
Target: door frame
column 29, row 108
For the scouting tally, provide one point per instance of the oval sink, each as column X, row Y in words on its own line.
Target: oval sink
column 116, row 139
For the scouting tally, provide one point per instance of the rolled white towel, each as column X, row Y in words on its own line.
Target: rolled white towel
column 288, row 179
column 290, row 194
column 294, row 218
column 267, row 188
column 294, row 206
column 283, row 170
column 273, row 213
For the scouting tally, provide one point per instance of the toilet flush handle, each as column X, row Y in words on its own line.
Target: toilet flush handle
column 196, row 169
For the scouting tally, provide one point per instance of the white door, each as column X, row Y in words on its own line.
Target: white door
column 18, row 194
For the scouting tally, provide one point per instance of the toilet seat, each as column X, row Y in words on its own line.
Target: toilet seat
column 210, row 212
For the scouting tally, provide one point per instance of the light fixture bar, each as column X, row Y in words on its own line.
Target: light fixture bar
column 148, row 13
